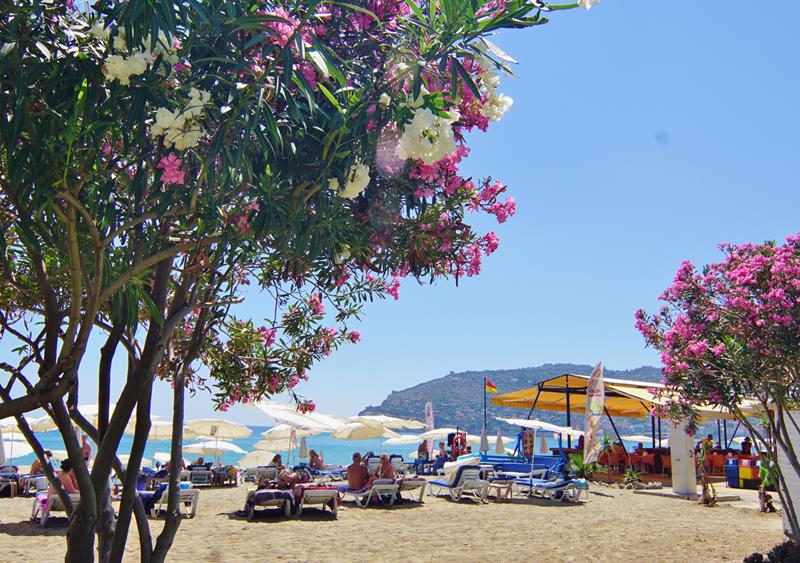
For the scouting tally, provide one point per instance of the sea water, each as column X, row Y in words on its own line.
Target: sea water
column 334, row 452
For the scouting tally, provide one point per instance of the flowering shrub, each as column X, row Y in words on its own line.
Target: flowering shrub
column 160, row 156
column 730, row 334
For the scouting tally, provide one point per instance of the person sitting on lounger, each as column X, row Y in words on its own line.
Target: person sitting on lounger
column 315, row 461
column 199, row 461
column 442, row 452
column 38, row 467
column 384, row 470
column 357, row 474
column 287, row 479
column 67, row 478
column 277, row 462
column 422, row 451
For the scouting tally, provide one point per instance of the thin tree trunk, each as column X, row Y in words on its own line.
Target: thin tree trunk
column 167, row 535
column 80, row 536
column 105, row 527
column 129, row 491
column 143, row 526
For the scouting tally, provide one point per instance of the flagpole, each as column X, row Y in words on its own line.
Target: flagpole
column 484, row 403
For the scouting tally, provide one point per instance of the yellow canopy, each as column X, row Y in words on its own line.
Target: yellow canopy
column 631, row 399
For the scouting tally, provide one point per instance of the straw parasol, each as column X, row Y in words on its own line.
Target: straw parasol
column 288, row 414
column 484, row 441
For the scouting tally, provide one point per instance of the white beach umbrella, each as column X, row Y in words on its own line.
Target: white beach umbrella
column 436, row 434
column 484, row 442
column 36, row 424
column 303, row 448
column 219, row 428
column 257, row 458
column 285, row 431
column 280, row 445
column 125, row 457
column 161, row 430
column 288, row 414
column 387, row 422
column 359, row 431
column 215, row 448
column 12, row 449
column 403, row 439
column 499, row 445
column 534, row 424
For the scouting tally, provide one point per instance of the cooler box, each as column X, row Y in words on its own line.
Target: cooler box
column 732, row 472
column 748, row 472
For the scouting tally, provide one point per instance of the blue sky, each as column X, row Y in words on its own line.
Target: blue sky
column 642, row 133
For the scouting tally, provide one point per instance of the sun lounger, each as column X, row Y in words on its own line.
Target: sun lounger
column 562, row 489
column 201, row 477
column 326, row 496
column 410, row 485
column 253, row 473
column 155, row 501
column 397, row 464
column 466, row 480
column 267, row 498
column 45, row 503
column 385, row 490
column 35, row 484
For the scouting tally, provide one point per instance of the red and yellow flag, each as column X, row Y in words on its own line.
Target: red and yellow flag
column 490, row 388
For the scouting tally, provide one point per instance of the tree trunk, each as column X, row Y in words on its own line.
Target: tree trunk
column 143, row 526
column 129, row 492
column 105, row 527
column 167, row 535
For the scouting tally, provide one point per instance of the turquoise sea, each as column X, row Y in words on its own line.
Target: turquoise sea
column 335, row 452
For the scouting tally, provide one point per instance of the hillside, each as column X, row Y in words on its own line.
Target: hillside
column 458, row 397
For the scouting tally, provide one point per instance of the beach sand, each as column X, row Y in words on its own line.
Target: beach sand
column 615, row 525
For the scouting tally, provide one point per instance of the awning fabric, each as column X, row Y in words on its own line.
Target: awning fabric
column 630, row 399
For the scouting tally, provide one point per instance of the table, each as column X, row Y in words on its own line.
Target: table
column 502, row 489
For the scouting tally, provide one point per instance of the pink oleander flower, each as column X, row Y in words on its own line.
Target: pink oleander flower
column 283, row 29
column 306, row 407
column 267, row 335
column 354, row 336
column 315, row 304
column 171, row 172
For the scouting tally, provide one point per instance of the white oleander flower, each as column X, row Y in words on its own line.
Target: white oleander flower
column 7, row 48
column 587, row 4
column 119, row 67
column 187, row 139
column 118, row 42
column 427, row 137
column 357, row 180
column 496, row 106
column 333, row 184
column 384, row 101
column 99, row 31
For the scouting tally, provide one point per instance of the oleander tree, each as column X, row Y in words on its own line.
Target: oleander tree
column 159, row 156
column 729, row 335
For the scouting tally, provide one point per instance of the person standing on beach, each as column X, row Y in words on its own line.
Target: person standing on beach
column 86, row 449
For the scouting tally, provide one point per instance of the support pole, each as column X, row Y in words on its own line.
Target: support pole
column 719, row 432
column 614, row 426
column 535, row 400
column 659, row 432
column 734, row 433
column 653, row 430
column 725, row 430
column 569, row 416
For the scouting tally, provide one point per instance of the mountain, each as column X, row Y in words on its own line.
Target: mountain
column 458, row 398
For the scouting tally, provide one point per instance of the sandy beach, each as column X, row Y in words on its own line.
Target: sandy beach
column 615, row 525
